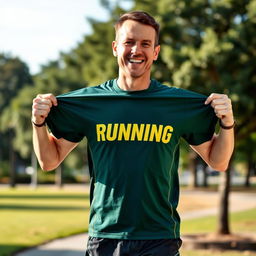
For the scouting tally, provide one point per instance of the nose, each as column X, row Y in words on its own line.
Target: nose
column 136, row 48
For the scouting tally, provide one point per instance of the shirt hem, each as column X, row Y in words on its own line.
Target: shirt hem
column 131, row 237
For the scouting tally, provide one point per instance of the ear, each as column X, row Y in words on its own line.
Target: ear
column 114, row 48
column 156, row 52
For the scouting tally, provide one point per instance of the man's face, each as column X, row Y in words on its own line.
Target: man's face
column 135, row 49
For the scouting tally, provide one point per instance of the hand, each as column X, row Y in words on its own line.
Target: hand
column 222, row 106
column 41, row 107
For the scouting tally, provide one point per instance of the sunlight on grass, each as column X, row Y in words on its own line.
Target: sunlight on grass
column 216, row 253
column 29, row 217
column 244, row 221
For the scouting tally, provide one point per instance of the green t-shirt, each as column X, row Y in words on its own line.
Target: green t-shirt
column 133, row 140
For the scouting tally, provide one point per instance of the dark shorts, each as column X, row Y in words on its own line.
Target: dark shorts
column 118, row 247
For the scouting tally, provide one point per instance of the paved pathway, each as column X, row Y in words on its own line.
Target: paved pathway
column 69, row 246
column 239, row 201
column 75, row 245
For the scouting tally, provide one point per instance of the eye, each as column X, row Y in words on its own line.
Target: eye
column 128, row 43
column 146, row 44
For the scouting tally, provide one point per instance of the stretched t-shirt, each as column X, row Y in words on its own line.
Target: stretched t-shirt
column 133, row 140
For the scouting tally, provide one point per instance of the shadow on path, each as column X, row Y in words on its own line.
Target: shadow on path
column 40, row 207
column 54, row 253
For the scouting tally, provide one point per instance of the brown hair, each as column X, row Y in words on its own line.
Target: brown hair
column 141, row 17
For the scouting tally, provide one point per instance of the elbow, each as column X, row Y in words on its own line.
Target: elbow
column 221, row 167
column 47, row 167
column 48, row 163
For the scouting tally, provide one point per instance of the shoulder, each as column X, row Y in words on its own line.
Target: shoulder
column 175, row 91
column 103, row 88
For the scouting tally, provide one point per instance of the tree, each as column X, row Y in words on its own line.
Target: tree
column 246, row 153
column 90, row 62
column 93, row 56
column 14, row 75
column 208, row 46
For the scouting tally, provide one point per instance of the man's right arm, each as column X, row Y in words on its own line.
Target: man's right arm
column 49, row 150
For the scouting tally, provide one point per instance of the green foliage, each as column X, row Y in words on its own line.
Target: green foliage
column 14, row 74
column 4, row 170
column 209, row 46
column 206, row 46
column 93, row 57
column 17, row 117
column 90, row 62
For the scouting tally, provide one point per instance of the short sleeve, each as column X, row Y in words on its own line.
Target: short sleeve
column 64, row 123
column 201, row 126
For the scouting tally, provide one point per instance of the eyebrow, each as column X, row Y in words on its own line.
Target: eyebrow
column 147, row 41
column 144, row 41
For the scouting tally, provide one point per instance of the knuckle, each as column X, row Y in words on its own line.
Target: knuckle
column 36, row 99
column 50, row 95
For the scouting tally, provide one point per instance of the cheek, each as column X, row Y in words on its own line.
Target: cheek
column 121, row 50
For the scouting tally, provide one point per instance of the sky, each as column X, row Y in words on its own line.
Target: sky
column 37, row 31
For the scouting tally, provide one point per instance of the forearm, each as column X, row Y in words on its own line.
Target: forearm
column 45, row 148
column 222, row 149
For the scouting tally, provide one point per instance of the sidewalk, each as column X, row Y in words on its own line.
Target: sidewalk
column 69, row 246
column 75, row 245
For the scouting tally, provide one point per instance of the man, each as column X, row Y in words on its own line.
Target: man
column 133, row 126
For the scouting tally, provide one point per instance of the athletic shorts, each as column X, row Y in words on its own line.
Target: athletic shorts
column 118, row 247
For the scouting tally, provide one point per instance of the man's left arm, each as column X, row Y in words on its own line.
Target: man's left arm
column 217, row 152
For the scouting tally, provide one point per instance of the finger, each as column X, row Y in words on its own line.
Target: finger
column 224, row 112
column 41, row 106
column 220, row 102
column 214, row 96
column 40, row 113
column 53, row 99
column 222, row 107
column 49, row 96
column 42, row 101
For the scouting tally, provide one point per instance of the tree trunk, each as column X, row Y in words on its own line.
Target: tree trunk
column 1, row 150
column 248, row 171
column 59, row 177
column 205, row 174
column 224, row 189
column 34, row 174
column 193, row 161
column 12, row 162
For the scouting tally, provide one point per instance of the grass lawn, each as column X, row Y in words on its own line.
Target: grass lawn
column 215, row 253
column 28, row 217
column 31, row 217
column 244, row 222
column 240, row 222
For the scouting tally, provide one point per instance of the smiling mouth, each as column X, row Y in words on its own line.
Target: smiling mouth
column 136, row 61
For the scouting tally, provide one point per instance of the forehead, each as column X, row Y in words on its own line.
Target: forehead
column 134, row 30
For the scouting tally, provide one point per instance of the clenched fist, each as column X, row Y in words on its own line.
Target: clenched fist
column 222, row 106
column 41, row 107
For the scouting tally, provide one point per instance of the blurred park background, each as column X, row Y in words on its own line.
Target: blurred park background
column 206, row 46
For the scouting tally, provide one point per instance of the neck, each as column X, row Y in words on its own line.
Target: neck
column 133, row 84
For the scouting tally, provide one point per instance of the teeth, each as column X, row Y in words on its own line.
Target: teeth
column 136, row 61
